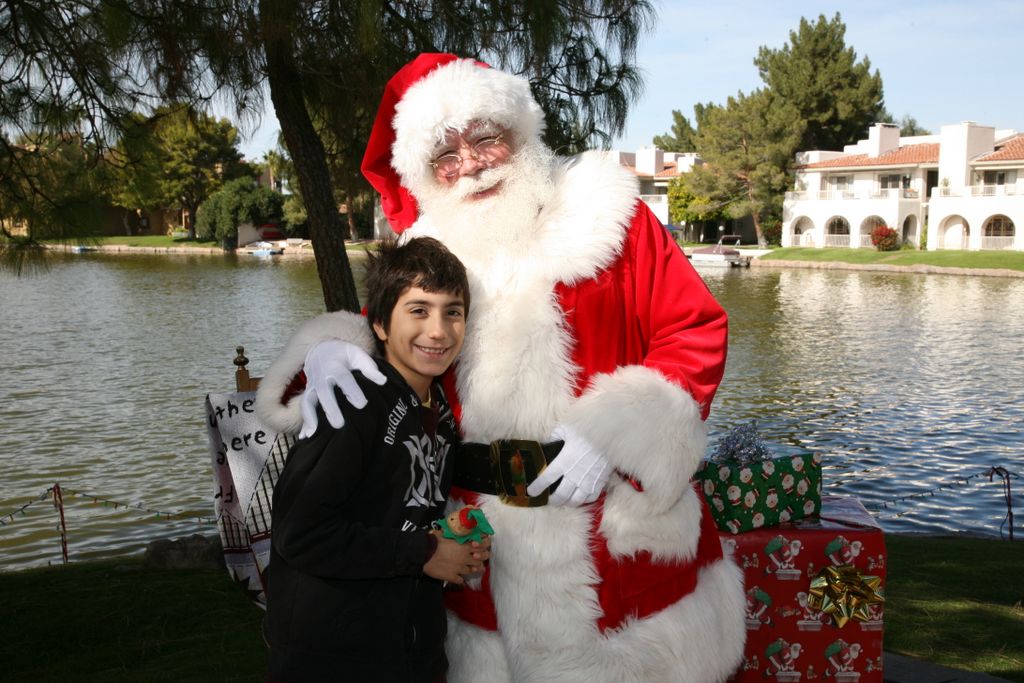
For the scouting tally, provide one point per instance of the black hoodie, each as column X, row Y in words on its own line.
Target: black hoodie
column 346, row 596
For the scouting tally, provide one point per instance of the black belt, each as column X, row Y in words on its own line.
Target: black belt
column 505, row 468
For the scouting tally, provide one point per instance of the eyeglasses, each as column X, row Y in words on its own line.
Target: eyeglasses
column 484, row 151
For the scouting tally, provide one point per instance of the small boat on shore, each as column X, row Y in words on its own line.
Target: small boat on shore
column 263, row 249
column 720, row 255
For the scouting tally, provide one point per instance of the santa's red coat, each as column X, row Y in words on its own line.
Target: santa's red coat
column 649, row 308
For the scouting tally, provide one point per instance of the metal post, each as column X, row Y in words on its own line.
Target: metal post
column 58, row 502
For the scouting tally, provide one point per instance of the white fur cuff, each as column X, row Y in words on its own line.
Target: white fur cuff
column 342, row 325
column 647, row 427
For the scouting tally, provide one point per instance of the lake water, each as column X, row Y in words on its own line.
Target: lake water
column 903, row 382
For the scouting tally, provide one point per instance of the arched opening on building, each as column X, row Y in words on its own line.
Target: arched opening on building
column 803, row 232
column 909, row 233
column 867, row 226
column 998, row 233
column 837, row 232
column 954, row 233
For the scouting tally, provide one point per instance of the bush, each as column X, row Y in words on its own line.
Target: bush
column 294, row 214
column 239, row 201
column 772, row 231
column 885, row 238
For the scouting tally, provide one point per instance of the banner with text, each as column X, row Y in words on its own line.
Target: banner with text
column 247, row 458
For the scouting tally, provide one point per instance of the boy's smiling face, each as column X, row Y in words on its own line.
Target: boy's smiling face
column 424, row 336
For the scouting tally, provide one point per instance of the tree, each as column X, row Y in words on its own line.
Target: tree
column 54, row 189
column 694, row 197
column 838, row 97
column 197, row 153
column 748, row 146
column 240, row 201
column 683, row 137
column 283, row 172
column 134, row 168
column 56, row 86
column 175, row 158
column 910, row 127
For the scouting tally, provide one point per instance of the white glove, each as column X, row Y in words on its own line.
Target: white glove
column 583, row 470
column 330, row 364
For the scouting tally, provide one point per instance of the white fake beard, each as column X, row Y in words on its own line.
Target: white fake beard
column 477, row 229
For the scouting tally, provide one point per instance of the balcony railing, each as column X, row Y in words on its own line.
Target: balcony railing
column 825, row 195
column 993, row 190
column 837, row 240
column 865, row 240
column 997, row 242
column 979, row 191
column 803, row 240
column 652, row 199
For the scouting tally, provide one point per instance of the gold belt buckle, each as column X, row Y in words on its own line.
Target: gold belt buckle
column 516, row 463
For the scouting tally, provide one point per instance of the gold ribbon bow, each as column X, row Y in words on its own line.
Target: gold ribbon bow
column 844, row 593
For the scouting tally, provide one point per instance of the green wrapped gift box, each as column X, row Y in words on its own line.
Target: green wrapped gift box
column 761, row 494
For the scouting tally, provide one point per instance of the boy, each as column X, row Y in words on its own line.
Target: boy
column 355, row 577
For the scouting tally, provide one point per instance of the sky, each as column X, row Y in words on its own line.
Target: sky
column 941, row 61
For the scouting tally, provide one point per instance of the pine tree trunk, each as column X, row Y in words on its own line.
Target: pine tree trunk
column 756, row 215
column 190, row 221
column 307, row 152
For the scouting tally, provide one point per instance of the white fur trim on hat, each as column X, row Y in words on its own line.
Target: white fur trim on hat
column 449, row 98
column 342, row 325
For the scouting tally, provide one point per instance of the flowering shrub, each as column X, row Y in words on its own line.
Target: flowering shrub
column 885, row 238
column 742, row 445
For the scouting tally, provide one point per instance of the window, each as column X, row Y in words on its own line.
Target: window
column 890, row 182
column 838, row 225
column 999, row 226
column 999, row 177
column 839, row 183
column 870, row 223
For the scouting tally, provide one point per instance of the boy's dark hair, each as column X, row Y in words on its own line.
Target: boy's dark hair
column 421, row 262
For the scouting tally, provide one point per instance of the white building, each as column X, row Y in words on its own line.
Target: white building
column 965, row 186
column 655, row 169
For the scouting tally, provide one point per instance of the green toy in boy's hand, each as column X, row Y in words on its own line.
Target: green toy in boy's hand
column 466, row 524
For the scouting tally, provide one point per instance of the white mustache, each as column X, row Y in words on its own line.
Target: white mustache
column 485, row 180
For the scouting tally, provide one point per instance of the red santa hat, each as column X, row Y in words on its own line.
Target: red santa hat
column 427, row 98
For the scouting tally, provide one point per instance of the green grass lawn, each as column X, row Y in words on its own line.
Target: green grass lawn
column 956, row 602
column 156, row 241
column 169, row 241
column 138, row 241
column 123, row 623
column 1012, row 260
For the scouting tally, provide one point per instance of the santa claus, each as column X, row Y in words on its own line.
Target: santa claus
column 591, row 358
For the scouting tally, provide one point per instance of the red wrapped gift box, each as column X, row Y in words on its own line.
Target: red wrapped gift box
column 788, row 640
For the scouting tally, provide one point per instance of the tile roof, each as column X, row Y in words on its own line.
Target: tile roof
column 924, row 153
column 1011, row 150
column 670, row 171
